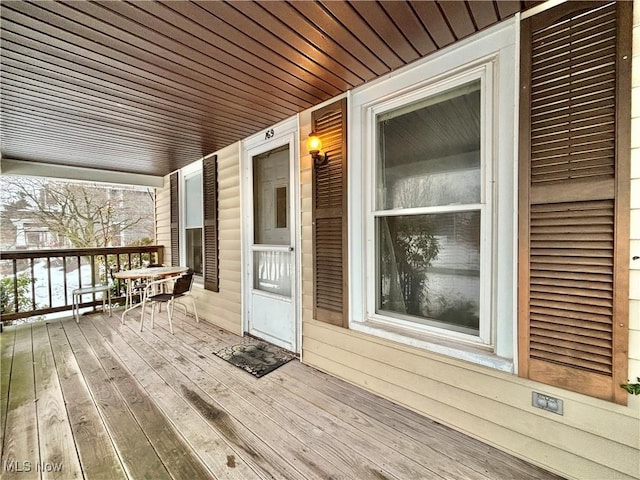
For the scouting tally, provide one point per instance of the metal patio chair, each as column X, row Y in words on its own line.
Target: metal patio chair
column 181, row 289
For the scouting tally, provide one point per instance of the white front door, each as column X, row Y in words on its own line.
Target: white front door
column 270, row 225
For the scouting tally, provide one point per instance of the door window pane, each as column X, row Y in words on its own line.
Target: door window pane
column 272, row 272
column 270, row 185
column 429, row 269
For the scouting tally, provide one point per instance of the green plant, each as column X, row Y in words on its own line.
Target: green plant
column 632, row 388
column 7, row 294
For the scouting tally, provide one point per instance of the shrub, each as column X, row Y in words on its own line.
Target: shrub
column 7, row 294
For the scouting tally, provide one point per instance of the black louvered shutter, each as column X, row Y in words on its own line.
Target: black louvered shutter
column 210, row 212
column 330, row 217
column 174, row 219
column 574, row 197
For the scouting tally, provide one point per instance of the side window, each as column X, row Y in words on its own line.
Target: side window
column 193, row 221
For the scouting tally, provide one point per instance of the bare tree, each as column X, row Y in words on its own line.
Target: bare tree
column 88, row 215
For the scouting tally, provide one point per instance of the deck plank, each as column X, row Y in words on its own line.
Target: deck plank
column 371, row 451
column 221, row 459
column 7, row 342
column 240, row 384
column 20, row 452
column 230, row 416
column 138, row 456
column 170, row 447
column 261, row 398
column 97, row 454
column 374, row 450
column 234, row 428
column 155, row 405
column 371, row 428
column 58, row 456
column 458, row 455
column 481, row 457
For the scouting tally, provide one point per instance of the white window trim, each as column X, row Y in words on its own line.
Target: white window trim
column 495, row 47
column 184, row 173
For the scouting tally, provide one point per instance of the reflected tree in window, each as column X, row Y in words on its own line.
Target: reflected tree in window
column 407, row 249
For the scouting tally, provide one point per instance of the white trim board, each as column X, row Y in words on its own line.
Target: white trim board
column 36, row 169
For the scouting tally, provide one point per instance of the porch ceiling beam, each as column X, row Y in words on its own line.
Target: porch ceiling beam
column 34, row 169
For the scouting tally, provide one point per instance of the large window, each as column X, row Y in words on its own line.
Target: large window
column 429, row 209
column 432, row 257
column 193, row 221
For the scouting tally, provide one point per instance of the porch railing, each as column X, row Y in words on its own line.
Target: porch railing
column 37, row 282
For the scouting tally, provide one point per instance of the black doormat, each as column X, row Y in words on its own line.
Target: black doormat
column 256, row 357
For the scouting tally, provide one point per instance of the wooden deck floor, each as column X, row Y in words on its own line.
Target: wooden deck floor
column 102, row 400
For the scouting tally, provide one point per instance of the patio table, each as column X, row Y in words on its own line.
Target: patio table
column 151, row 273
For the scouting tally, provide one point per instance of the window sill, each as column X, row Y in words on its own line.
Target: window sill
column 435, row 344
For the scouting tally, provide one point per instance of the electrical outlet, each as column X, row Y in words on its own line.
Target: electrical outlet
column 545, row 402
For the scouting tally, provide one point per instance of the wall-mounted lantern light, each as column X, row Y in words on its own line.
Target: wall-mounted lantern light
column 314, row 146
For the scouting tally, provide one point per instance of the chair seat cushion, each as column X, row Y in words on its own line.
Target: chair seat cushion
column 163, row 297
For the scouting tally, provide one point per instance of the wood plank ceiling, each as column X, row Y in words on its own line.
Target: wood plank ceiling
column 148, row 87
